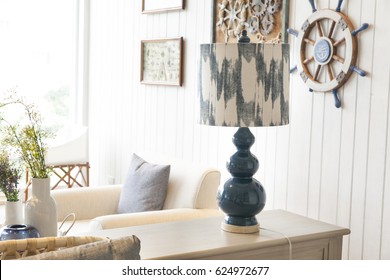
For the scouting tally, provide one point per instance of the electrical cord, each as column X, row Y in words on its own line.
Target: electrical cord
column 285, row 236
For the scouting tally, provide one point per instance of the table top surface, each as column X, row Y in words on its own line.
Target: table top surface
column 204, row 237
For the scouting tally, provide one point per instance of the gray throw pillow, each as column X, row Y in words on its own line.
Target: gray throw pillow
column 145, row 187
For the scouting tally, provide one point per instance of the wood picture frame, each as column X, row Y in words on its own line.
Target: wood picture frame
column 161, row 61
column 226, row 31
column 157, row 6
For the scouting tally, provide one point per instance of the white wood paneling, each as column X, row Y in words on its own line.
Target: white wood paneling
column 362, row 121
column 385, row 230
column 300, row 123
column 329, row 164
column 377, row 134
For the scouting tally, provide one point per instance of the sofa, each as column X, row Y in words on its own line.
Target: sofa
column 190, row 194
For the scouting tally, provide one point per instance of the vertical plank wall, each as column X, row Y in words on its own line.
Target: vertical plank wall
column 329, row 164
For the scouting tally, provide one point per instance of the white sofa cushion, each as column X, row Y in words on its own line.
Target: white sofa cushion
column 190, row 185
column 151, row 217
column 87, row 202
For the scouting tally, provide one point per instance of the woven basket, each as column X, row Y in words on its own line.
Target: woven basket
column 19, row 248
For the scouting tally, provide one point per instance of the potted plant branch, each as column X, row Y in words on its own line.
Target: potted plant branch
column 9, row 177
column 27, row 138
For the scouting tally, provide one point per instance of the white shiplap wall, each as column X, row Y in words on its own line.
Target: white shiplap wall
column 328, row 164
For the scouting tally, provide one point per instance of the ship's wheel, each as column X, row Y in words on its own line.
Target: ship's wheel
column 327, row 50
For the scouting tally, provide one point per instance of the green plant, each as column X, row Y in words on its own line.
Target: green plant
column 9, row 177
column 29, row 139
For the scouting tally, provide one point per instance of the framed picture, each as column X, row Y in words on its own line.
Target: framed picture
column 161, row 61
column 266, row 21
column 155, row 6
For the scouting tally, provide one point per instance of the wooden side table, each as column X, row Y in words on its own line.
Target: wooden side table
column 204, row 239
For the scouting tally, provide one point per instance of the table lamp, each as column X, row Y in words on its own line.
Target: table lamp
column 243, row 85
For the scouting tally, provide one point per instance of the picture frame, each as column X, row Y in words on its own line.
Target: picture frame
column 157, row 6
column 250, row 18
column 161, row 61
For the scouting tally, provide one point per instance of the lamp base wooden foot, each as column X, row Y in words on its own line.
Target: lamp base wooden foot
column 240, row 229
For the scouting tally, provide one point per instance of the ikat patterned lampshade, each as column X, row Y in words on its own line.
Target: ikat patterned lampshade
column 244, row 85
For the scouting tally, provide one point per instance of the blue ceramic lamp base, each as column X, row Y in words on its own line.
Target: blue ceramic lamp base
column 242, row 197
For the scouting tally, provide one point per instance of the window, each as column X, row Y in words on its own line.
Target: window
column 40, row 55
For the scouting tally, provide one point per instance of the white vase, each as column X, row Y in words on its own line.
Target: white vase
column 41, row 209
column 13, row 213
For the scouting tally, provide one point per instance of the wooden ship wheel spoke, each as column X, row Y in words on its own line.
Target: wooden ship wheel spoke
column 330, row 72
column 327, row 50
column 331, row 29
column 319, row 28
